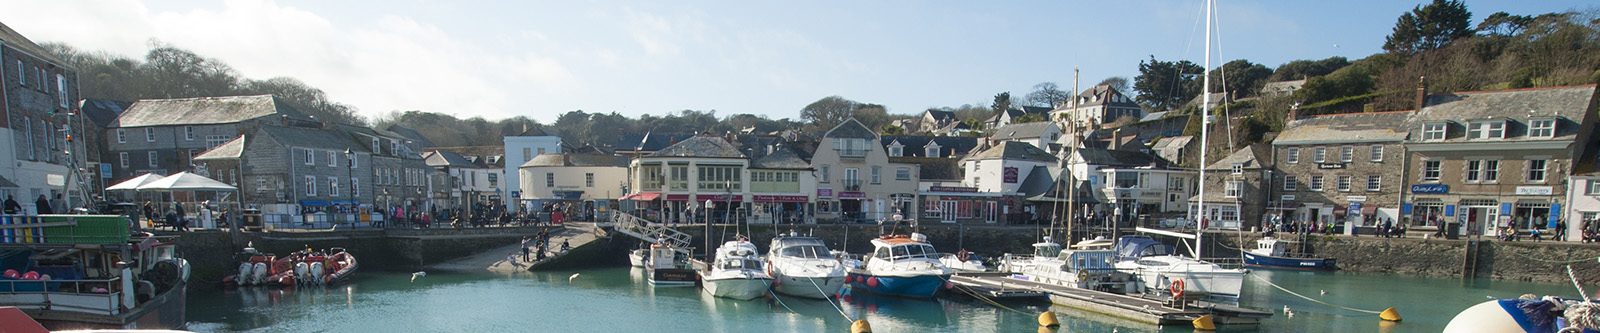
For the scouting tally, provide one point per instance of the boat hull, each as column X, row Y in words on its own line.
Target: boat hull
column 737, row 288
column 671, row 277
column 914, row 286
column 636, row 259
column 1313, row 264
column 800, row 286
column 166, row 311
column 1221, row 285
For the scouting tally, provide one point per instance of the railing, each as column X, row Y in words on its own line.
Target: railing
column 857, row 153
column 852, row 185
column 651, row 232
column 63, row 295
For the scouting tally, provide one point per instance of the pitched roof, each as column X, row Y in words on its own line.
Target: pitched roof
column 233, row 149
column 1570, row 104
column 1101, row 95
column 1031, row 130
column 852, row 129
column 1251, row 157
column 1013, row 150
column 589, row 159
column 103, row 112
column 1122, row 158
column 203, row 110
column 15, row 40
column 701, row 146
column 445, row 158
column 1170, row 148
column 941, row 114
column 305, row 137
column 410, row 134
column 933, row 168
column 916, row 145
column 1346, row 128
column 782, row 157
column 650, row 141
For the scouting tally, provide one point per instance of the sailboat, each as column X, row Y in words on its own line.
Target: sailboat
column 736, row 272
column 1162, row 270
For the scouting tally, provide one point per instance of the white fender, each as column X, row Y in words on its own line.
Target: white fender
column 300, row 271
column 1484, row 317
column 183, row 265
column 316, row 273
column 244, row 274
column 260, row 274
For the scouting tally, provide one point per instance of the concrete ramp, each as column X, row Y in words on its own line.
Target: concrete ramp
column 508, row 259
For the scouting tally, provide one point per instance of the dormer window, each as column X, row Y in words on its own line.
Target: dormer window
column 1542, row 128
column 1487, row 129
column 1433, row 131
column 896, row 150
column 932, row 150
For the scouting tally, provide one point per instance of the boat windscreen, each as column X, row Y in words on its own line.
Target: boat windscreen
column 909, row 251
column 806, row 251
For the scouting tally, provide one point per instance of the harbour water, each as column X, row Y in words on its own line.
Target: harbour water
column 617, row 300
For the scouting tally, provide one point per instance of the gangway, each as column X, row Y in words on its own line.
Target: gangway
column 651, row 232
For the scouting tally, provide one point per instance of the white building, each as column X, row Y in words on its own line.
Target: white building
column 1583, row 200
column 472, row 178
column 519, row 149
column 572, row 177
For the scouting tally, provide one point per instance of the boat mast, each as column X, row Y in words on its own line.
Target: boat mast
column 1072, row 190
column 1205, row 122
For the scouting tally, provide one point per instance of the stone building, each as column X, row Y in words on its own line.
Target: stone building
column 1327, row 164
column 1488, row 159
column 1237, row 189
column 162, row 136
column 295, row 173
column 37, row 91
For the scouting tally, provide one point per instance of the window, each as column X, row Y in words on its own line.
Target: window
column 1316, row 183
column 212, row 141
column 1474, row 169
column 311, row 157
column 22, row 75
column 902, row 173
column 896, row 151
column 355, row 187
column 61, row 90
column 877, row 172
column 1293, row 155
column 1347, row 154
column 333, row 186
column 1433, row 132
column 377, row 146
column 1495, row 129
column 1344, row 183
column 1374, row 183
column 1491, row 170
column 588, row 179
column 122, row 136
column 1176, row 184
column 824, row 173
column 541, row 151
column 27, row 124
column 1319, row 155
column 1536, row 170
column 333, row 158
column 188, row 133
column 1290, row 183
column 1232, row 189
column 149, row 134
column 1593, row 188
column 549, row 179
column 353, row 159
column 152, row 158
column 123, row 156
column 1238, row 168
column 311, row 185
column 1376, row 154
column 527, row 153
column 1542, row 128
column 931, row 151
column 1430, row 170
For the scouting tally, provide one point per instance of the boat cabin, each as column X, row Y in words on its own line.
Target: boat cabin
column 809, row 248
column 662, row 257
column 893, row 249
column 1134, row 247
column 1046, row 249
column 1089, row 260
column 1270, row 247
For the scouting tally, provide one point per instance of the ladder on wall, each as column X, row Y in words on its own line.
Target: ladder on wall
column 1469, row 260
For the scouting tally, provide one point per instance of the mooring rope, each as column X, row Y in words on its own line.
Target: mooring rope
column 1259, row 278
column 826, row 299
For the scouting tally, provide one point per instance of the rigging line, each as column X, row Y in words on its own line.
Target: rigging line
column 1187, row 45
column 1259, row 278
column 780, row 300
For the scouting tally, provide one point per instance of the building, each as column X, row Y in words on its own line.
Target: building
column 473, row 179
column 1342, row 167
column 1487, row 159
column 1583, row 197
column 519, row 149
column 1041, row 134
column 1010, row 116
column 399, row 175
column 670, row 185
column 37, row 90
column 162, row 136
column 1097, row 105
column 1131, row 183
column 932, row 120
column 1281, row 88
column 98, row 115
column 589, row 179
column 1237, row 190
column 782, row 186
column 635, row 145
column 855, row 180
column 1003, row 176
column 294, row 174
column 928, row 146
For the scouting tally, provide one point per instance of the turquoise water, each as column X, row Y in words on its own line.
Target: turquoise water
column 618, row 300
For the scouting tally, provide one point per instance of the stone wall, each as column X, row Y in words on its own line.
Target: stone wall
column 1519, row 261
column 212, row 253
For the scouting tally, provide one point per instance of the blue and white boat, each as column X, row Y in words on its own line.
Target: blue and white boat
column 900, row 266
column 1273, row 253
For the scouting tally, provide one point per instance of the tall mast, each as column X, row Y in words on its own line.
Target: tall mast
column 1072, row 190
column 1205, row 122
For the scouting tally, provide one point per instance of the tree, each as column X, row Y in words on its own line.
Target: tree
column 827, row 112
column 1002, row 103
column 891, row 130
column 305, row 98
column 1165, row 85
column 1303, row 69
column 1046, row 94
column 1429, row 27
column 1028, row 118
column 1503, row 24
column 1116, row 82
column 1240, row 78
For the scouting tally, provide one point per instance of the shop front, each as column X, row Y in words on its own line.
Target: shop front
column 773, row 209
column 959, row 205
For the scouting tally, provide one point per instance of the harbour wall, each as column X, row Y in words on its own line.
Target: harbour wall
column 212, row 253
column 1443, row 258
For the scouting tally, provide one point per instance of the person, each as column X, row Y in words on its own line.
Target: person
column 525, row 248
column 11, row 206
column 206, row 220
column 512, row 258
column 1561, row 230
column 540, row 254
column 1534, row 233
column 42, row 205
column 1388, row 228
column 59, row 206
column 565, row 246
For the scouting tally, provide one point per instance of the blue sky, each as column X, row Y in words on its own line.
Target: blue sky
column 542, row 58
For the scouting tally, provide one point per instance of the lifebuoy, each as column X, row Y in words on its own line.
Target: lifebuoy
column 1176, row 288
column 963, row 255
column 1083, row 275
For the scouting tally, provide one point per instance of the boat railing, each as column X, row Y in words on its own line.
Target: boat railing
column 82, row 296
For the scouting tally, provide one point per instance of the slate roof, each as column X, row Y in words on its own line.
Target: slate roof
column 233, row 149
column 933, row 168
column 533, row 131
column 1118, row 158
column 1169, row 148
column 14, row 39
column 916, row 145
column 203, row 110
column 1253, row 157
column 304, row 137
column 851, row 129
column 1346, row 128
column 576, row 160
column 782, row 157
column 939, row 115
column 1013, row 150
column 410, row 134
column 103, row 112
column 701, row 146
column 650, row 141
column 444, row 158
column 1033, row 130
column 1100, row 95
column 1037, row 183
column 1568, row 104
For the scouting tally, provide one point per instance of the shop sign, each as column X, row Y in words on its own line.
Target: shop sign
column 953, row 189
column 677, row 197
column 781, row 198
column 1430, row 189
column 1009, row 175
column 1355, row 198
column 1287, row 197
column 1326, row 166
column 852, row 195
column 1535, row 190
column 825, row 192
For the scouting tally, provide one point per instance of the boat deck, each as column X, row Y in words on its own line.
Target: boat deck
column 1131, row 307
column 1001, row 289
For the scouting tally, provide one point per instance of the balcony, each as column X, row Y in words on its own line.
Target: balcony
column 852, row 185
column 851, row 153
column 650, row 186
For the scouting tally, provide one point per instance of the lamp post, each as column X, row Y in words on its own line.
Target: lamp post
column 709, row 206
column 350, row 167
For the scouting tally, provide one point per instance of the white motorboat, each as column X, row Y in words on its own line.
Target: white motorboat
column 901, row 266
column 804, row 267
column 736, row 272
column 1158, row 269
column 1087, row 269
column 963, row 262
column 664, row 268
column 636, row 258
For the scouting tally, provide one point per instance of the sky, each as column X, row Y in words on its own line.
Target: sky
column 539, row 59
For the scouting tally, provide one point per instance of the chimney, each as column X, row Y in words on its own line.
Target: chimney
column 1294, row 114
column 1422, row 92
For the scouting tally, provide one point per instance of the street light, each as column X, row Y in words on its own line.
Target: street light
column 350, row 167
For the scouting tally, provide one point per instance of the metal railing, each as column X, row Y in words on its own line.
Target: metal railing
column 63, row 295
column 651, row 232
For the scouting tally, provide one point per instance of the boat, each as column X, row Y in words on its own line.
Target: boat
column 1273, row 253
column 636, row 258
column 1092, row 269
column 302, row 268
column 74, row 272
column 804, row 267
column 664, row 268
column 736, row 272
column 1157, row 270
column 964, row 262
column 900, row 265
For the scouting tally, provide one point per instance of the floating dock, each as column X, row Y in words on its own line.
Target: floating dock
column 1130, row 307
column 998, row 289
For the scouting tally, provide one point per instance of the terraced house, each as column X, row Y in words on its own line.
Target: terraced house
column 855, row 180
column 163, row 136
column 37, row 91
column 1337, row 168
column 296, row 174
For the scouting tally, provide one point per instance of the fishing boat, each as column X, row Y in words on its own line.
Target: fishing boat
column 804, row 267
column 1273, row 253
column 72, row 272
column 900, row 265
column 736, row 272
column 1092, row 269
column 302, row 268
column 964, row 262
column 636, row 258
column 664, row 268
column 1158, row 269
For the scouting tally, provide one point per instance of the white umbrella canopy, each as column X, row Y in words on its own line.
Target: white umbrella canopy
column 136, row 182
column 184, row 181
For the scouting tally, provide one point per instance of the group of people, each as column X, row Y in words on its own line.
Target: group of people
column 177, row 216
column 535, row 248
column 1510, row 233
column 41, row 206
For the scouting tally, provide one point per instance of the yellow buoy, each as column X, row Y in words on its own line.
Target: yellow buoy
column 1048, row 319
column 1204, row 323
column 1390, row 314
column 860, row 326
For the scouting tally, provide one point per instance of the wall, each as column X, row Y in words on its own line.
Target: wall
column 211, row 253
column 1520, row 261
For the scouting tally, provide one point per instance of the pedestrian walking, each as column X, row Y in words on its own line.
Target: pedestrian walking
column 42, row 205
column 11, row 206
column 525, row 248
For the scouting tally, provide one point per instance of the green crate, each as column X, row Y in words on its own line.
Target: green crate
column 89, row 229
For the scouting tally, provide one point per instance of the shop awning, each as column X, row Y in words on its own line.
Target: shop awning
column 642, row 196
column 1367, row 210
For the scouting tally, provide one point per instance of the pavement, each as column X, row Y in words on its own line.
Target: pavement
column 494, row 260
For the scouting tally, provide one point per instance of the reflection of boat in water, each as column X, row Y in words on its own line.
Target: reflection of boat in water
column 901, row 266
column 1274, row 253
column 804, row 267
column 881, row 307
column 736, row 272
column 91, row 272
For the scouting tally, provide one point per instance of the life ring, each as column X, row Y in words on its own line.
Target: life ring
column 963, row 255
column 1176, row 288
column 1083, row 275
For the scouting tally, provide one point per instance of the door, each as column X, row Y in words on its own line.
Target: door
column 991, row 211
column 947, row 211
